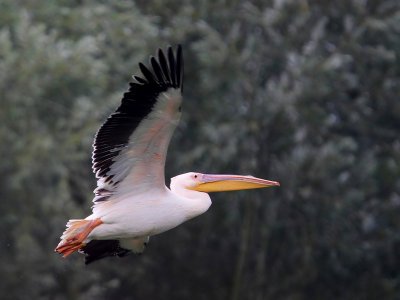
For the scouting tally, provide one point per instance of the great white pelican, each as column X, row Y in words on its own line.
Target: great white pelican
column 131, row 200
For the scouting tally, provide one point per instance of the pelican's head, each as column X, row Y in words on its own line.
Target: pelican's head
column 219, row 182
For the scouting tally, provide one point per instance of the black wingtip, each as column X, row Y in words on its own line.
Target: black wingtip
column 172, row 65
column 146, row 73
column 157, row 69
column 164, row 66
column 139, row 79
column 179, row 64
column 166, row 69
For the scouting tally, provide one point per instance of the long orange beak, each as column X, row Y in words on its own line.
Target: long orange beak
column 221, row 183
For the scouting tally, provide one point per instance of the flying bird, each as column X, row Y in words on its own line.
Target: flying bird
column 131, row 200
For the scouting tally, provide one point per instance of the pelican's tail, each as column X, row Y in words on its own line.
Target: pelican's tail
column 75, row 235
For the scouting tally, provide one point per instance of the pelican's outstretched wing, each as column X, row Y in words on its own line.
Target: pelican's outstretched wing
column 130, row 148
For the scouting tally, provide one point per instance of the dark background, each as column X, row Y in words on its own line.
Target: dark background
column 303, row 92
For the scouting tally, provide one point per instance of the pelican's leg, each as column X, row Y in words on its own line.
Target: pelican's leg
column 137, row 245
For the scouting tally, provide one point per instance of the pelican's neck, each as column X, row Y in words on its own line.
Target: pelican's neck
column 197, row 202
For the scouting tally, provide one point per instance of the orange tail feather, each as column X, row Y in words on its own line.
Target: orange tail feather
column 74, row 236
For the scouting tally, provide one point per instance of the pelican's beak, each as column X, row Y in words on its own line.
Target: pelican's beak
column 221, row 183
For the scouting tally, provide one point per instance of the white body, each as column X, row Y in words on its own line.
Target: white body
column 145, row 214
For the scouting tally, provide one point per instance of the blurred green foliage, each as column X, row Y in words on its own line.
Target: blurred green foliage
column 304, row 92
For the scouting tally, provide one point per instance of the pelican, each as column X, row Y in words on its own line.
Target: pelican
column 131, row 200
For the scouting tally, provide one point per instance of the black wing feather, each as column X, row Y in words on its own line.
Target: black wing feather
column 157, row 69
column 164, row 65
column 98, row 249
column 172, row 65
column 179, row 67
column 147, row 73
column 139, row 79
column 136, row 104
